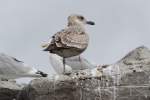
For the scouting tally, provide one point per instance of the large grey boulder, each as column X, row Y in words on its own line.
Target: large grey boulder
column 127, row 79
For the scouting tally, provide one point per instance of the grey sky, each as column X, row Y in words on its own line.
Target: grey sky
column 121, row 25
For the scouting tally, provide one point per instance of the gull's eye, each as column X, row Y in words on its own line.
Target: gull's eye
column 81, row 17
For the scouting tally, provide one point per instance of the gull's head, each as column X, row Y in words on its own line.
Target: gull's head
column 41, row 73
column 78, row 20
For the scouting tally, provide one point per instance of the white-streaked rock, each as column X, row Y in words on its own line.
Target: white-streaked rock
column 121, row 80
column 96, row 72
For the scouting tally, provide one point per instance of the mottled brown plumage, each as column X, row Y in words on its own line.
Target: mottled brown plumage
column 71, row 41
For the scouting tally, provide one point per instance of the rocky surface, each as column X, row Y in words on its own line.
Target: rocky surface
column 127, row 79
column 9, row 90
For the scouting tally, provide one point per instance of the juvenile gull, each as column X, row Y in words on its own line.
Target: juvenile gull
column 72, row 40
column 12, row 68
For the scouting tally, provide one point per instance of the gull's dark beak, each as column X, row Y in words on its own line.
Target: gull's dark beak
column 42, row 73
column 90, row 23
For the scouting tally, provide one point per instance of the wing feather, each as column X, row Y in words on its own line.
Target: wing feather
column 69, row 38
column 72, row 38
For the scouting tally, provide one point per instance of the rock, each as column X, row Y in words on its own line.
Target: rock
column 127, row 79
column 131, row 75
column 9, row 90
